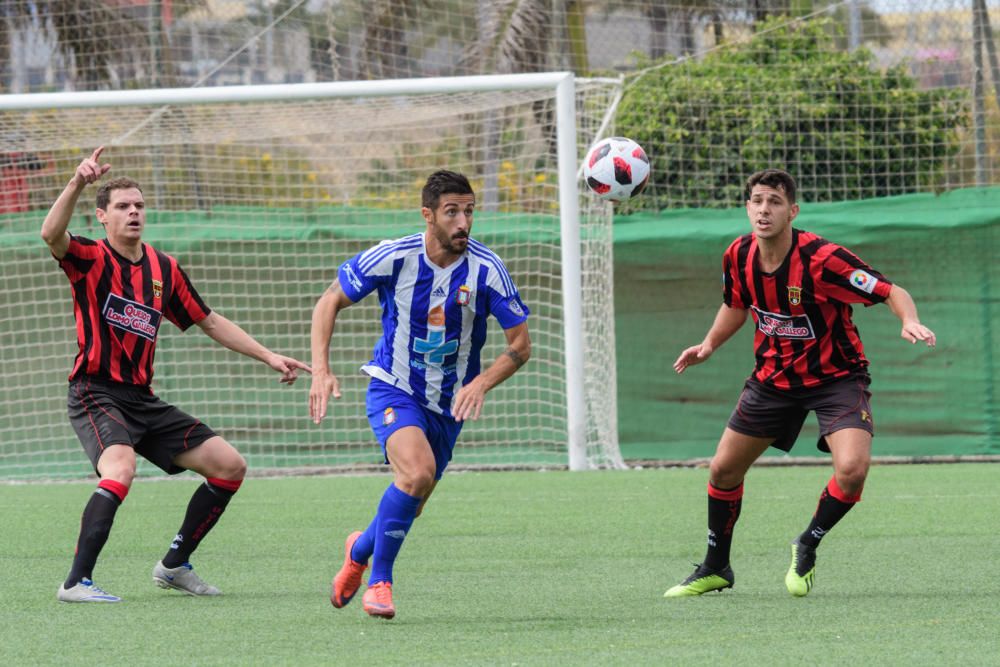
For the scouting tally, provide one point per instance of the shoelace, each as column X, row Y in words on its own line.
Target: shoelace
column 383, row 594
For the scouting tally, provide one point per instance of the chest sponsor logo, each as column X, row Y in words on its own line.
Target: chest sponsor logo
column 434, row 348
column 784, row 326
column 794, row 295
column 132, row 317
column 864, row 281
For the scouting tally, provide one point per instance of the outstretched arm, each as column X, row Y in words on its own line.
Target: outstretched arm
column 901, row 304
column 54, row 228
column 469, row 399
column 229, row 334
column 324, row 383
column 727, row 322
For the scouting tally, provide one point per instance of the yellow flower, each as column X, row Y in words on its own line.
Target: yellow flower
column 266, row 157
column 311, row 177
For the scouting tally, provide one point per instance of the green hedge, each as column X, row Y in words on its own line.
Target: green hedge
column 789, row 98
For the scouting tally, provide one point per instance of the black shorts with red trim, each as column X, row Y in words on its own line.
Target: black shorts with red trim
column 765, row 412
column 105, row 413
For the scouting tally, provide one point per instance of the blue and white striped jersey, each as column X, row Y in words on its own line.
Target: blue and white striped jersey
column 433, row 319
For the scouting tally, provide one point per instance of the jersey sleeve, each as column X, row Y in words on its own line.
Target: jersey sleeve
column 733, row 294
column 184, row 306
column 81, row 255
column 362, row 274
column 504, row 300
column 849, row 280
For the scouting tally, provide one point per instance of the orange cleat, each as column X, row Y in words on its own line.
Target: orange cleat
column 348, row 580
column 378, row 600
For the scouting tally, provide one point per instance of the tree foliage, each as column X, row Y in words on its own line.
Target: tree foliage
column 789, row 98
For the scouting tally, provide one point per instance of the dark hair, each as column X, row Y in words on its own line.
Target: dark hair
column 773, row 178
column 104, row 193
column 443, row 182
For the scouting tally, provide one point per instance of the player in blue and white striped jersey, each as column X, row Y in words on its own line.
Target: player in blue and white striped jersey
column 437, row 290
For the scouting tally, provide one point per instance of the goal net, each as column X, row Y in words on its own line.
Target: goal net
column 261, row 200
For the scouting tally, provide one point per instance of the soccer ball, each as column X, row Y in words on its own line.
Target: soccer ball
column 616, row 169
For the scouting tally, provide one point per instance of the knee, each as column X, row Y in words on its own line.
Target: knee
column 725, row 477
column 415, row 483
column 118, row 468
column 851, row 478
column 235, row 468
column 121, row 474
column 225, row 462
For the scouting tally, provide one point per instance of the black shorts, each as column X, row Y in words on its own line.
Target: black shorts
column 764, row 412
column 109, row 413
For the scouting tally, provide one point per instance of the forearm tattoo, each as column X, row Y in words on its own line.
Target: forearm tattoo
column 514, row 356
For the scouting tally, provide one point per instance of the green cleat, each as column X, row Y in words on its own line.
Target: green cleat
column 701, row 581
column 799, row 580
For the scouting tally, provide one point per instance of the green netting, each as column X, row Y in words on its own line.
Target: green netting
column 264, row 268
column 942, row 249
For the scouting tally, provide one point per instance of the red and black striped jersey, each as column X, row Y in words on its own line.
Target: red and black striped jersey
column 805, row 336
column 119, row 305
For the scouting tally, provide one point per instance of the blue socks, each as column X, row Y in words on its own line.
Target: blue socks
column 384, row 535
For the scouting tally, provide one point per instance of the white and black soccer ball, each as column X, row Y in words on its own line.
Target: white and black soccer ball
column 616, row 169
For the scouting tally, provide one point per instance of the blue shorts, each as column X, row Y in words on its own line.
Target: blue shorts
column 390, row 409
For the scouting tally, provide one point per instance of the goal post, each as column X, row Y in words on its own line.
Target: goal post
column 261, row 191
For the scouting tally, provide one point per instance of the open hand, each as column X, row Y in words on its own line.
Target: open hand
column 691, row 356
column 324, row 383
column 914, row 331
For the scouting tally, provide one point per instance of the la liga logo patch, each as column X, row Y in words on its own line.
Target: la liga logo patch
column 863, row 281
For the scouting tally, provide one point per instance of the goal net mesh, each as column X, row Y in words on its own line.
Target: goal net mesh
column 260, row 202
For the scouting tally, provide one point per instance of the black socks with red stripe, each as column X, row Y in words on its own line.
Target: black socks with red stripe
column 206, row 506
column 833, row 505
column 95, row 526
column 723, row 510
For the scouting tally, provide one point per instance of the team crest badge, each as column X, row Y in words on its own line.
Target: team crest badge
column 388, row 417
column 463, row 295
column 866, row 416
column 157, row 289
column 794, row 295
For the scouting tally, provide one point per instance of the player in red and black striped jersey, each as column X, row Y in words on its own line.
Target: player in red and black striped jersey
column 799, row 287
column 122, row 290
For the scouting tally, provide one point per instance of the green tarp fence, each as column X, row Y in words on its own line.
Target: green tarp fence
column 926, row 402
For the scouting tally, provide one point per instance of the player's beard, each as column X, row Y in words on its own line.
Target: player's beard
column 453, row 243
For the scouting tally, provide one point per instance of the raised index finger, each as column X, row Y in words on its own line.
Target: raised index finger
column 97, row 153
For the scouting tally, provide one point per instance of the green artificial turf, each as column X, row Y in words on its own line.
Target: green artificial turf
column 521, row 568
